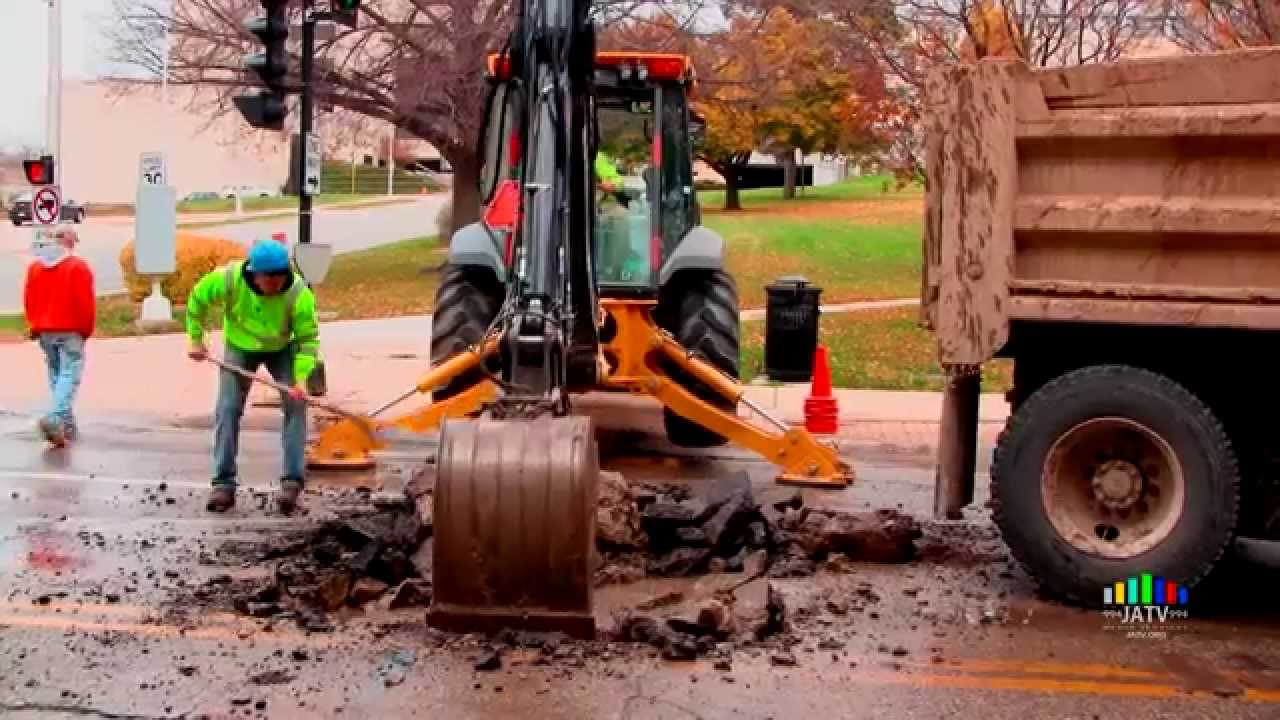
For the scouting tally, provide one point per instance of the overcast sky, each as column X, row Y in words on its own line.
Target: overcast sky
column 24, row 51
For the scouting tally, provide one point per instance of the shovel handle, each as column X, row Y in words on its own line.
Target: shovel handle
column 254, row 377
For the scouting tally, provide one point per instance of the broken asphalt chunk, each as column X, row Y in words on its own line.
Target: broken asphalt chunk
column 411, row 593
column 680, row 562
column 618, row 521
column 490, row 661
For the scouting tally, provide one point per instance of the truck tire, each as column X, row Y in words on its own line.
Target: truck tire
column 700, row 308
column 467, row 302
column 1110, row 472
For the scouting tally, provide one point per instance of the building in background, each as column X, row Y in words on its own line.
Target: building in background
column 104, row 132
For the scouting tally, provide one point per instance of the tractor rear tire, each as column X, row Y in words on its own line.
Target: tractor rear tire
column 700, row 308
column 1110, row 472
column 467, row 302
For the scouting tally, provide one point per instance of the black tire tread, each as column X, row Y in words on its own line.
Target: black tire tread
column 1043, row 399
column 700, row 309
column 467, row 301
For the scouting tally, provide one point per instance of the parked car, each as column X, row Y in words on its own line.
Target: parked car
column 244, row 191
column 201, row 195
column 20, row 210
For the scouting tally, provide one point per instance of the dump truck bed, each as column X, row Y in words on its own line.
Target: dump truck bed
column 1145, row 192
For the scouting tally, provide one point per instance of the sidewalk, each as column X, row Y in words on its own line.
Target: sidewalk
column 150, row 380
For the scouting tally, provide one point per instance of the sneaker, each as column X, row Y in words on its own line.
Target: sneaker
column 221, row 499
column 287, row 498
column 53, row 432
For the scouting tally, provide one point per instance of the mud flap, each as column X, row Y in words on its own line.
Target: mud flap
column 515, row 526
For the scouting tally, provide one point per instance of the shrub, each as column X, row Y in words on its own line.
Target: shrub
column 197, row 255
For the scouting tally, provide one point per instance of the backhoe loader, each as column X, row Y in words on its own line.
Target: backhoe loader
column 546, row 298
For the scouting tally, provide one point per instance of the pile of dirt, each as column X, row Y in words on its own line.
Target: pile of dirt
column 738, row 546
column 382, row 554
column 368, row 555
column 672, row 531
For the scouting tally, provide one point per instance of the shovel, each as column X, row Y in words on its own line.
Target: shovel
column 366, row 424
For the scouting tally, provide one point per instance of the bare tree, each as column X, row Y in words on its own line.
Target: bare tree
column 1200, row 25
column 907, row 38
column 418, row 64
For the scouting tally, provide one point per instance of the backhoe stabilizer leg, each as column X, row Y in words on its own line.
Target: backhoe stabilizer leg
column 801, row 459
column 346, row 445
column 637, row 344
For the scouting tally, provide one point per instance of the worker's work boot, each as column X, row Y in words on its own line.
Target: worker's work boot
column 287, row 498
column 221, row 499
column 53, row 432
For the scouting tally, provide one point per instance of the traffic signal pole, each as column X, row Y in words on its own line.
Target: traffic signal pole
column 53, row 116
column 305, row 122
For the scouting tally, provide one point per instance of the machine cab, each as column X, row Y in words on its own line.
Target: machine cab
column 645, row 200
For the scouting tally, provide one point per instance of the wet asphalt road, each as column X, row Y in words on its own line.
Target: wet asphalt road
column 959, row 633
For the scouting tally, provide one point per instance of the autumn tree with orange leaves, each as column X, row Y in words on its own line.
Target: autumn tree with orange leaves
column 767, row 80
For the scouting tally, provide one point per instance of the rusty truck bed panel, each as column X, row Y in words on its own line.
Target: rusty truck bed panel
column 1143, row 192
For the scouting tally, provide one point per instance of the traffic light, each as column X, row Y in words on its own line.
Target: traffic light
column 266, row 109
column 39, row 172
column 345, row 12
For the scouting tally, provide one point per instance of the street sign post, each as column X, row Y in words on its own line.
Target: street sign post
column 312, row 165
column 46, row 205
column 155, row 242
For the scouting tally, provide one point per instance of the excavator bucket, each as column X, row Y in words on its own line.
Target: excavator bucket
column 515, row 526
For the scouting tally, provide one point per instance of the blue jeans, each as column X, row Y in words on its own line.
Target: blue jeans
column 233, row 392
column 64, row 356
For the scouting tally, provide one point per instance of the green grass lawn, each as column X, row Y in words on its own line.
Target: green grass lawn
column 12, row 326
column 866, row 187
column 388, row 281
column 878, row 349
column 854, row 240
column 849, row 262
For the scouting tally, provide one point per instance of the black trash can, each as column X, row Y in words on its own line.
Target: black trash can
column 791, row 329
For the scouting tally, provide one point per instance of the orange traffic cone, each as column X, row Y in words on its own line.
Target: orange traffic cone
column 821, row 412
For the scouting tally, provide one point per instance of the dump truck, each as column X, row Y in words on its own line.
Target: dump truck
column 1114, row 230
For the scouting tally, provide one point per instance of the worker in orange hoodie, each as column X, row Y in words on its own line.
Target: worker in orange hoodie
column 60, row 311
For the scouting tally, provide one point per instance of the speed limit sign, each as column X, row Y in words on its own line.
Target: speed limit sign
column 151, row 169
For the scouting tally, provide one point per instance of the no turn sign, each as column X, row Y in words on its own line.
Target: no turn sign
column 46, row 206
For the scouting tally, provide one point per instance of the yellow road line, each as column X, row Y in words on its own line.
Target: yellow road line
column 48, row 622
column 1041, row 667
column 70, row 609
column 959, row 674
column 1049, row 686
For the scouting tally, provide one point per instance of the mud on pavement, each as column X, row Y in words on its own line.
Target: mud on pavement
column 375, row 554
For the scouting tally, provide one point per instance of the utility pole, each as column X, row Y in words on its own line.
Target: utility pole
column 54, row 101
column 391, row 161
column 305, row 121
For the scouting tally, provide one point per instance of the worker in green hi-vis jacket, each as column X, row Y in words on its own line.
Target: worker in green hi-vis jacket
column 607, row 175
column 269, row 318
column 621, row 262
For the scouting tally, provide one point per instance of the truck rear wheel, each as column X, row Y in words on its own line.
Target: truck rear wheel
column 1112, row 471
column 700, row 308
column 467, row 302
